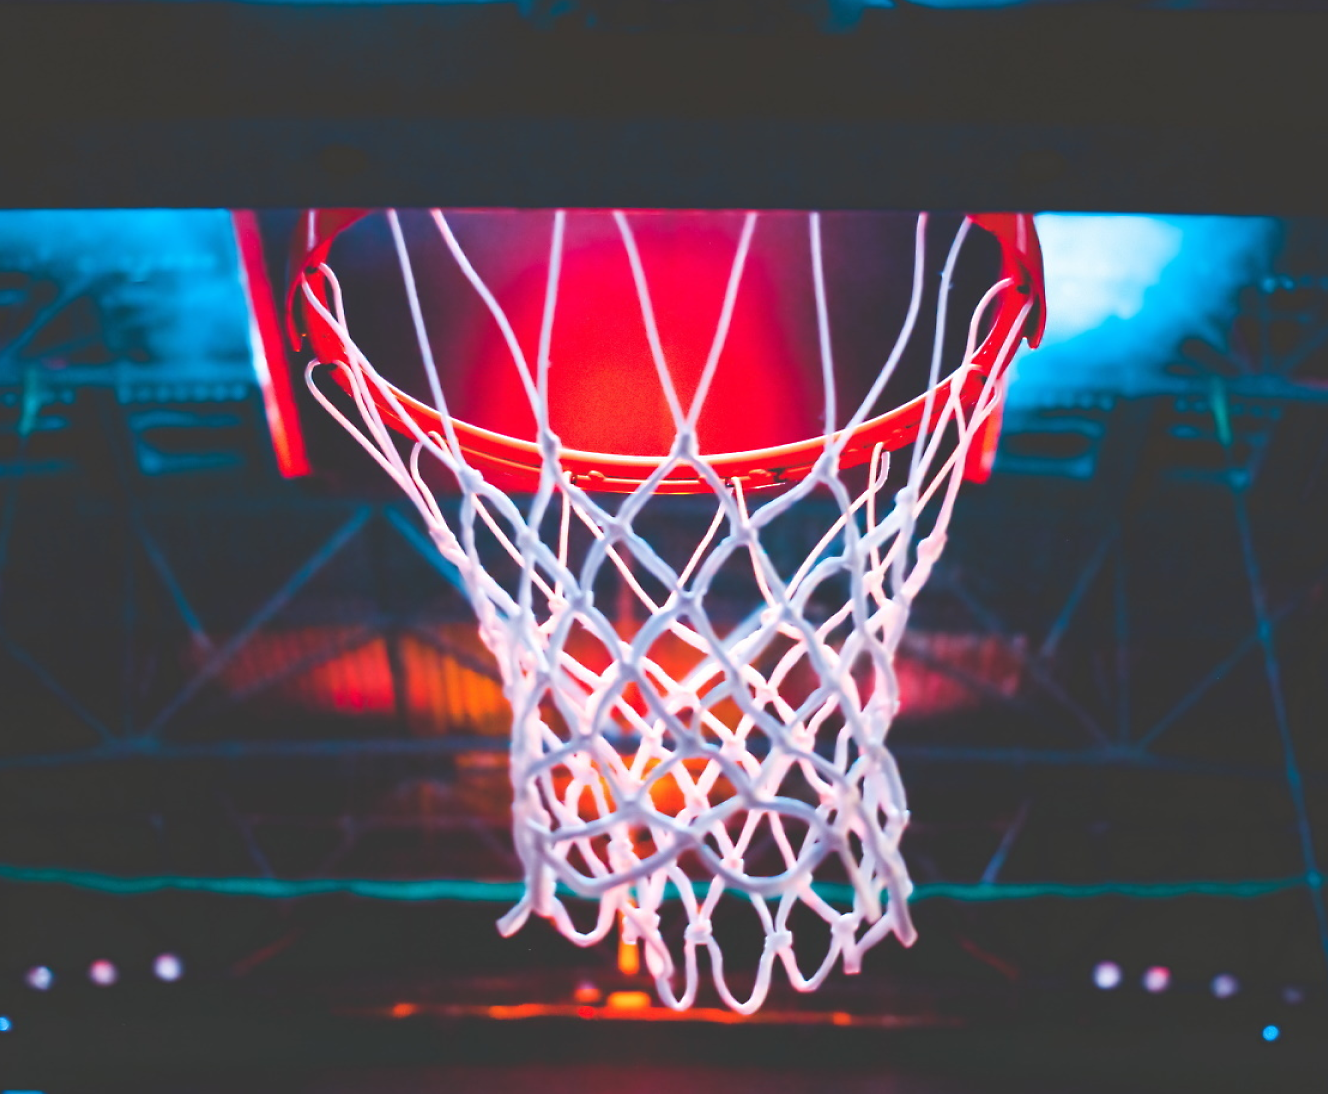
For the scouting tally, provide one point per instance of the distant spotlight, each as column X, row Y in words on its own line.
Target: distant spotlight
column 5, row 1024
column 103, row 973
column 1292, row 995
column 168, row 967
column 1271, row 1033
column 1157, row 979
column 587, row 992
column 1225, row 985
column 1107, row 975
column 39, row 978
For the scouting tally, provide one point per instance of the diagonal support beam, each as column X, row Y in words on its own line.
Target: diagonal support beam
column 166, row 575
column 1122, row 613
column 10, row 351
column 1030, row 665
column 55, row 688
column 464, row 657
column 917, row 652
column 1272, row 668
column 246, row 830
column 1068, row 611
column 993, row 871
column 424, row 545
column 223, row 656
column 1219, row 671
column 360, row 636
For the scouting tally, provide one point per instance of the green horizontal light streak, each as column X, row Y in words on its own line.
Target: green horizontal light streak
column 509, row 892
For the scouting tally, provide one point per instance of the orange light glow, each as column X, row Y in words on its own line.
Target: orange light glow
column 441, row 690
column 639, row 1008
column 629, row 956
column 587, row 993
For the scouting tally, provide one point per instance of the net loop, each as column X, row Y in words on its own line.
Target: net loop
column 685, row 756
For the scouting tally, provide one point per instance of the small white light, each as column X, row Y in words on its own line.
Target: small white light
column 168, row 967
column 1292, row 995
column 1225, row 985
column 1157, row 979
column 39, row 978
column 1107, row 975
column 103, row 973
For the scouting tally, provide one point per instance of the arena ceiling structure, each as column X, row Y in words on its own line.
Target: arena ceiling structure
column 249, row 723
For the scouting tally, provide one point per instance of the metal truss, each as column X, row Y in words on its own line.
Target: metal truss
column 1163, row 615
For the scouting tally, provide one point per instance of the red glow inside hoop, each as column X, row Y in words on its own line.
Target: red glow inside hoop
column 607, row 396
column 608, row 411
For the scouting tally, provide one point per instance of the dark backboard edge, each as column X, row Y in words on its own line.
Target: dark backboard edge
column 1070, row 108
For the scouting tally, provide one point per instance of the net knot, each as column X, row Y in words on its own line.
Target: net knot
column 685, row 602
column 622, row 854
column 640, row 922
column 844, row 927
column 873, row 584
column 470, row 480
column 687, row 446
column 699, row 932
column 831, row 799
column 733, row 750
column 776, row 941
column 581, row 767
column 931, row 546
column 802, row 738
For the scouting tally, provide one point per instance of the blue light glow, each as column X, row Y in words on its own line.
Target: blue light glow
column 1271, row 1033
column 167, row 277
column 5, row 1024
column 39, row 978
column 1123, row 292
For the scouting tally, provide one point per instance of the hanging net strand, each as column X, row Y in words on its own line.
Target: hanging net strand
column 634, row 779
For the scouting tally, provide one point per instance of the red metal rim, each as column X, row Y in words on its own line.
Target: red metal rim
column 516, row 463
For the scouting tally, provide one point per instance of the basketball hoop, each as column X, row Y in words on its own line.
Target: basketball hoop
column 694, row 753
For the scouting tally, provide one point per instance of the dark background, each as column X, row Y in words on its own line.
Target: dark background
column 209, row 672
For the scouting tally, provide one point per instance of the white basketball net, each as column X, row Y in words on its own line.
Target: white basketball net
column 633, row 802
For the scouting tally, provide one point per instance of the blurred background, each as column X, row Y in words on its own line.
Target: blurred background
column 254, row 752
column 254, row 802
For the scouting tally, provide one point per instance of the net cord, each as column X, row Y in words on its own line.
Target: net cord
column 615, row 754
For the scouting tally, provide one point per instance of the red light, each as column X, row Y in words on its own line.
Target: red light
column 604, row 391
column 103, row 973
column 269, row 349
column 1157, row 979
